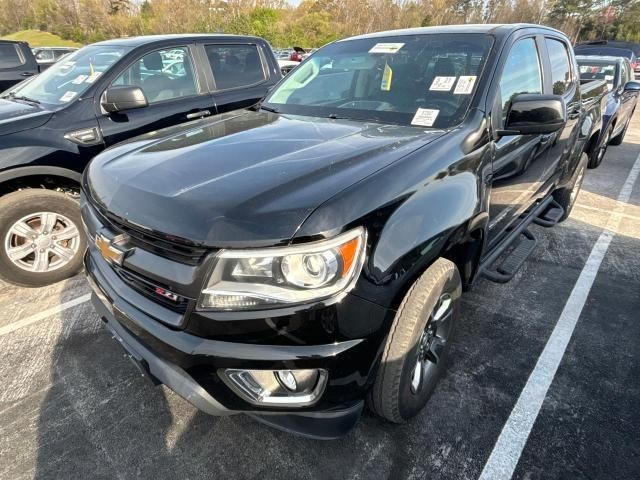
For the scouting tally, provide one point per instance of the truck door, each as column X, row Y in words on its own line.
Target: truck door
column 240, row 74
column 170, row 81
column 561, row 78
column 627, row 99
column 520, row 162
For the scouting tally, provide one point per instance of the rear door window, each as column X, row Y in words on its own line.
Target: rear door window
column 235, row 65
column 561, row 77
column 9, row 56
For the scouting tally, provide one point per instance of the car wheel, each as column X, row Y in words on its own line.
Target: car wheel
column 567, row 196
column 595, row 159
column 41, row 237
column 617, row 140
column 418, row 343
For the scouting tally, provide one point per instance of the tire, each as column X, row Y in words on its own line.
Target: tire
column 617, row 140
column 566, row 196
column 421, row 330
column 595, row 158
column 55, row 254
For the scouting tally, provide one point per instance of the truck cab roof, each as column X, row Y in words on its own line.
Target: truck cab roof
column 149, row 39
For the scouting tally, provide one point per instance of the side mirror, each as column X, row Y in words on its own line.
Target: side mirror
column 632, row 86
column 531, row 114
column 125, row 97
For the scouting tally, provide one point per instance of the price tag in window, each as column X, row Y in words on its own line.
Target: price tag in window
column 68, row 96
column 442, row 84
column 465, row 85
column 386, row 47
column 425, row 117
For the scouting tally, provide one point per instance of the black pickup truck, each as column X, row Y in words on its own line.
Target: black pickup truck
column 102, row 94
column 17, row 63
column 291, row 260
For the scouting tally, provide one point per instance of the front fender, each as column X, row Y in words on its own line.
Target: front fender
column 412, row 211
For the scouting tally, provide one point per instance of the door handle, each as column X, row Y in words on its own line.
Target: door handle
column 200, row 114
column 27, row 74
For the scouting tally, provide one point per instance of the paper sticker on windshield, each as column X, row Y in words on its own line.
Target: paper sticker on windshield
column 465, row 85
column 442, row 84
column 425, row 117
column 93, row 77
column 385, row 84
column 68, row 96
column 386, row 47
column 79, row 79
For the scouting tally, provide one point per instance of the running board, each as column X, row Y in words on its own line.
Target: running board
column 526, row 242
column 516, row 258
column 551, row 216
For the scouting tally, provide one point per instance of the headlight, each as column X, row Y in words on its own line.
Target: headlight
column 279, row 277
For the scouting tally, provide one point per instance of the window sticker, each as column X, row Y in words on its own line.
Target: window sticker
column 386, row 47
column 385, row 85
column 425, row 117
column 79, row 79
column 93, row 77
column 465, row 85
column 68, row 96
column 442, row 84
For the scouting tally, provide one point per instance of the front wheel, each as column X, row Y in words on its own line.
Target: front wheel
column 595, row 158
column 418, row 344
column 42, row 240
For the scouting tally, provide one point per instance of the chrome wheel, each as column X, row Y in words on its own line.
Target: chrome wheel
column 432, row 342
column 42, row 242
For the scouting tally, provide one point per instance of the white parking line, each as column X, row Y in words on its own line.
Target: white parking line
column 508, row 448
column 12, row 327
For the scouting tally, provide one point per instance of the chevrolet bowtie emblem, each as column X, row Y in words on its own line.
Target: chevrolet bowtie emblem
column 110, row 250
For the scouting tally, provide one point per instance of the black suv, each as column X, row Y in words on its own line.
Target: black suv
column 17, row 63
column 290, row 260
column 102, row 94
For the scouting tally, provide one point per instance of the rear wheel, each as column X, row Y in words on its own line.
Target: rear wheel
column 567, row 196
column 41, row 237
column 415, row 354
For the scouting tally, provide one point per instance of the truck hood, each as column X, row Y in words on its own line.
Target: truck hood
column 245, row 178
column 16, row 116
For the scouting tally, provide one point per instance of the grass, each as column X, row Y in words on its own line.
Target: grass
column 36, row 38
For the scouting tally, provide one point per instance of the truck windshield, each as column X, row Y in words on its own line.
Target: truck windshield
column 423, row 80
column 70, row 77
column 599, row 70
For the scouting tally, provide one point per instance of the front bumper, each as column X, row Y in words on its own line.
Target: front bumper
column 189, row 364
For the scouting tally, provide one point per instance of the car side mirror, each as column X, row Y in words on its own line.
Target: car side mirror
column 632, row 86
column 531, row 114
column 124, row 97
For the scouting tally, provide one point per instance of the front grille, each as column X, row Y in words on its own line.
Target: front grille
column 149, row 290
column 187, row 254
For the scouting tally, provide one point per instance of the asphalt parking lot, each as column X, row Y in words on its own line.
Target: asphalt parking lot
column 72, row 407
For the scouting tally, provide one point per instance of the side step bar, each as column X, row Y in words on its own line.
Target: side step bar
column 547, row 214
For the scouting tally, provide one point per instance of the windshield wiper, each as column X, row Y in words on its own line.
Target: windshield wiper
column 269, row 109
column 23, row 98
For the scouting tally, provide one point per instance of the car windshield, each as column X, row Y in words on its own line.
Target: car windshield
column 422, row 80
column 594, row 70
column 68, row 79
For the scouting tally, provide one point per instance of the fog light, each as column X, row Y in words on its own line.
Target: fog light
column 285, row 388
column 287, row 378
